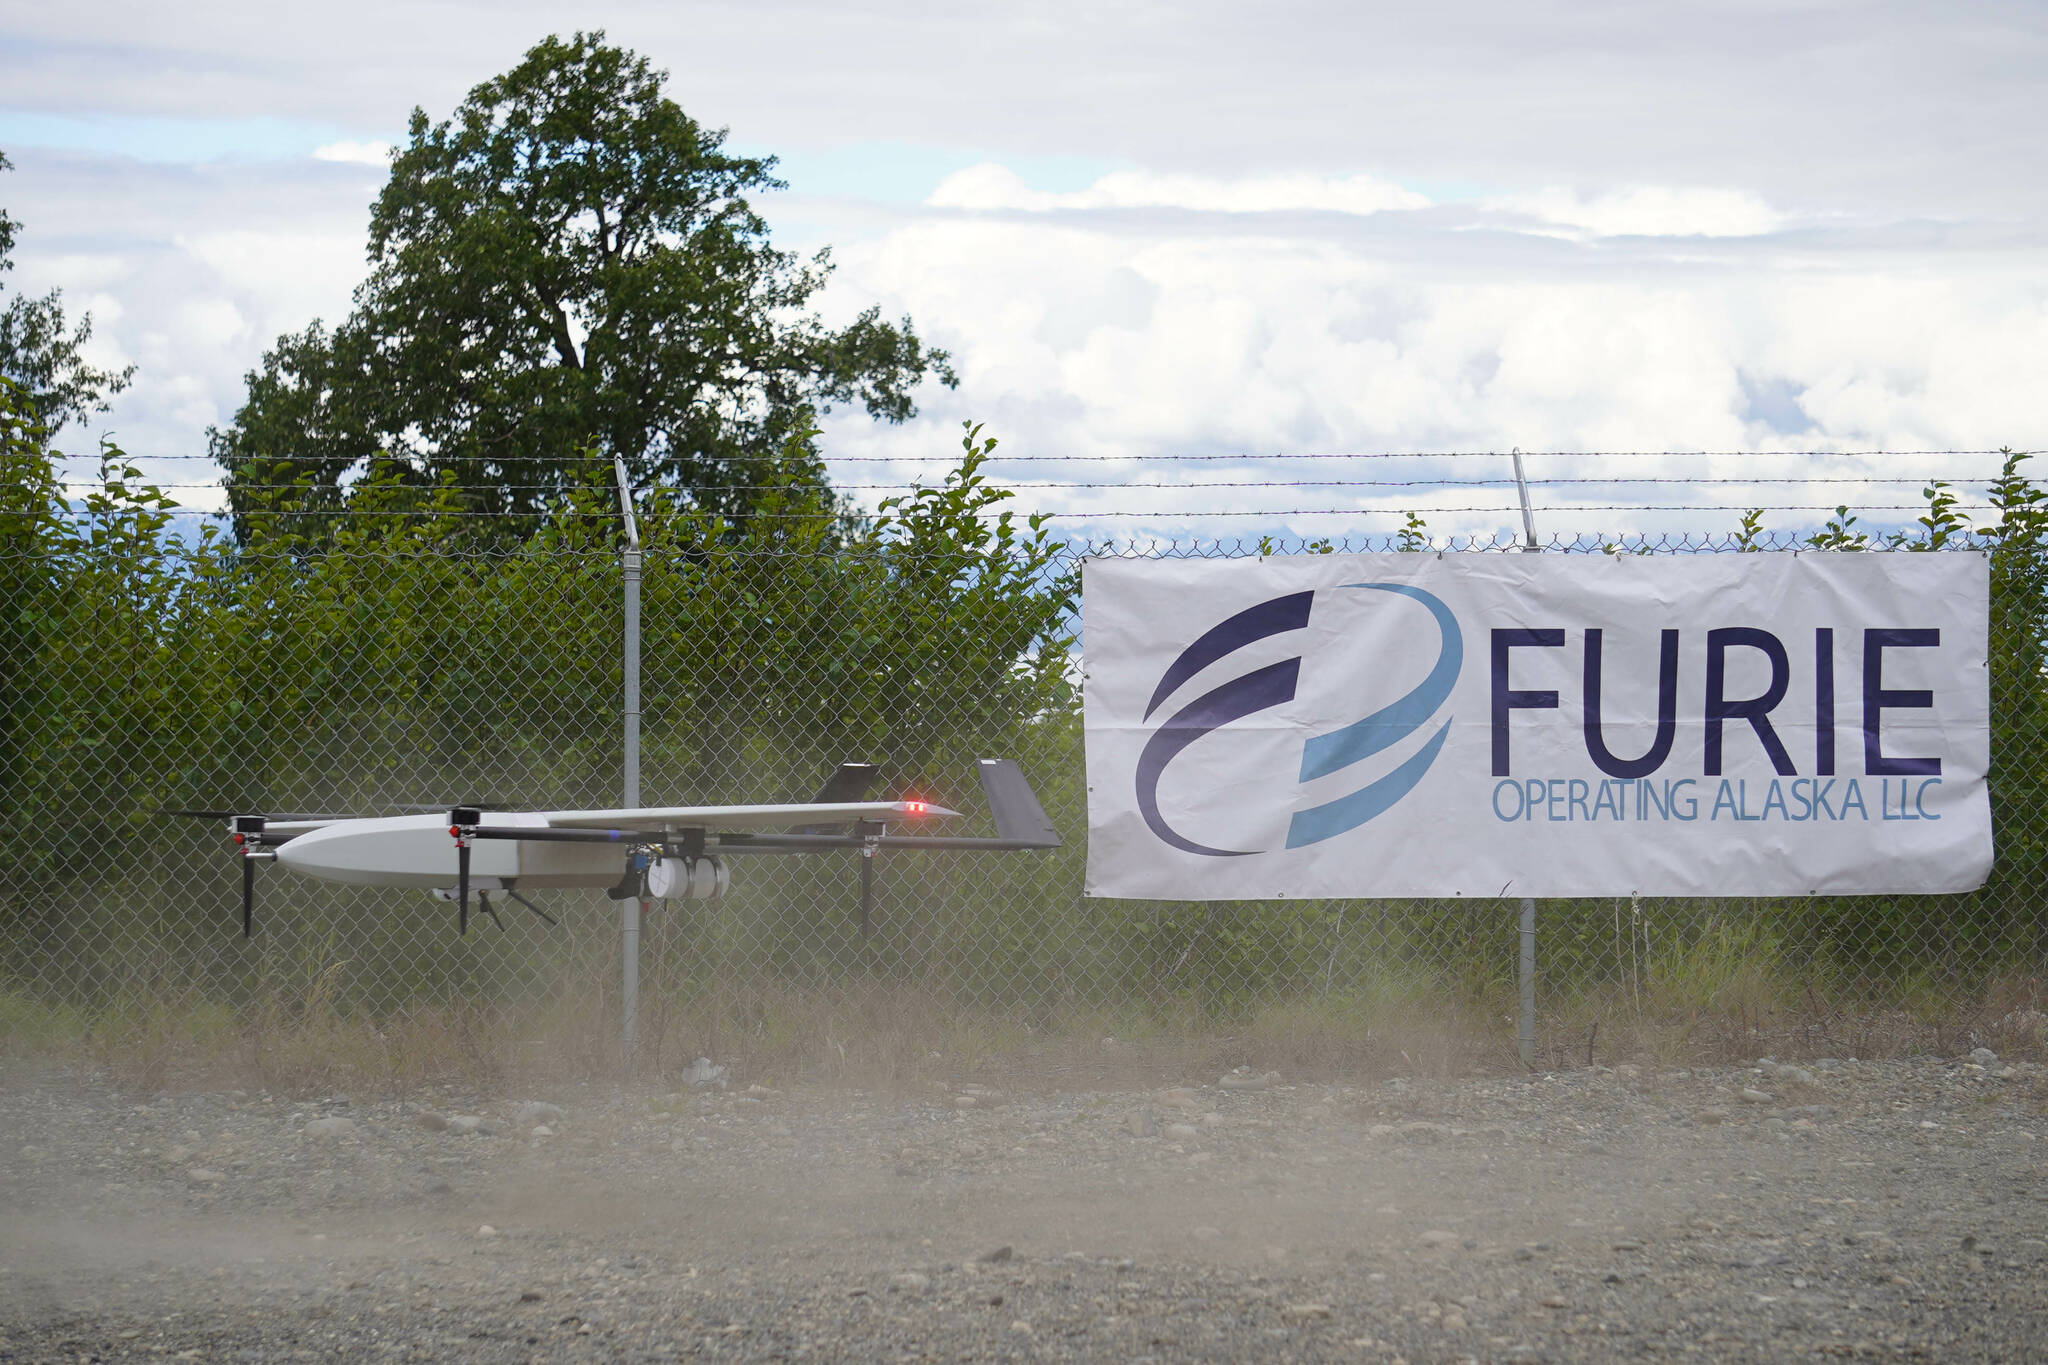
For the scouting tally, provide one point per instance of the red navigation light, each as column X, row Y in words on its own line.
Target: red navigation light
column 916, row 807
column 241, row 839
column 455, row 831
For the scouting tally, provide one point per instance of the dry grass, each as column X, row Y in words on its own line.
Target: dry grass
column 1724, row 1002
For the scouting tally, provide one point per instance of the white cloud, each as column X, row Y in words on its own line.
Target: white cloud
column 1331, row 231
column 1894, row 105
column 1093, row 334
column 1649, row 211
column 994, row 186
column 356, row 153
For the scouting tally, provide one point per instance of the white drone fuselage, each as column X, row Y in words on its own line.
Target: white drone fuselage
column 419, row 851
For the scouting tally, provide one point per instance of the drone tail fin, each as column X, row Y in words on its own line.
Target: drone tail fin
column 850, row 782
column 1015, row 806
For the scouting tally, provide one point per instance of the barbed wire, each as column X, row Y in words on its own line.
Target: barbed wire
column 558, row 514
column 1240, row 457
column 1080, row 543
column 699, row 490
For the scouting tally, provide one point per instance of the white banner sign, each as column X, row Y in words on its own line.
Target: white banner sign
column 1536, row 725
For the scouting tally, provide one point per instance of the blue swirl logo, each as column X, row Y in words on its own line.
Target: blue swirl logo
column 1274, row 685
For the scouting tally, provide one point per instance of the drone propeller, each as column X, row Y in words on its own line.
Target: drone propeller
column 867, row 888
column 238, row 814
column 249, row 839
column 248, row 896
column 406, row 808
column 462, row 823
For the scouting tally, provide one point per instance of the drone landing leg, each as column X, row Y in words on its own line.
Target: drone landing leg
column 483, row 901
column 531, row 906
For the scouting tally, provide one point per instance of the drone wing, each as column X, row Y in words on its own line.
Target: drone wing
column 716, row 818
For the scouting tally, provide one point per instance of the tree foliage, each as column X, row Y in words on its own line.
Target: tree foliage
column 43, row 355
column 390, row 660
column 569, row 263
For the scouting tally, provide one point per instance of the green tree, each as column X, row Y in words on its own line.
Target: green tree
column 41, row 354
column 569, row 263
column 32, row 513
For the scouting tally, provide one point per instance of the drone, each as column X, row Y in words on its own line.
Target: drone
column 631, row 853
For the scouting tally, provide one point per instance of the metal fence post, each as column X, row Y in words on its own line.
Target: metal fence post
column 1525, row 965
column 630, row 909
column 1525, row 975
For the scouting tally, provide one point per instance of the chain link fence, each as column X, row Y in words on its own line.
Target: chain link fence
column 141, row 673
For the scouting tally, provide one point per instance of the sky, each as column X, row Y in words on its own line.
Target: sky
column 1155, row 232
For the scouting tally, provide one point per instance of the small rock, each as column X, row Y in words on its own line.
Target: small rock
column 1710, row 1117
column 535, row 1112
column 1437, row 1237
column 998, row 1256
column 703, row 1074
column 464, row 1123
column 1243, row 1078
column 486, row 1230
column 1315, row 1311
column 1186, row 1132
column 1141, row 1123
column 910, row 1281
column 439, row 1187
column 1983, row 1056
column 541, row 1130
column 965, row 1102
column 1454, row 1322
column 1750, row 1096
column 529, row 1296
column 199, row 1175
column 1021, row 1327
column 331, row 1128
column 431, row 1121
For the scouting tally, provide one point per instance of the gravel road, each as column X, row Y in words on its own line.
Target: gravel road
column 1834, row 1208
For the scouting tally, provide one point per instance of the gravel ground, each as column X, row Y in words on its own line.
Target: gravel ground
column 1835, row 1208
